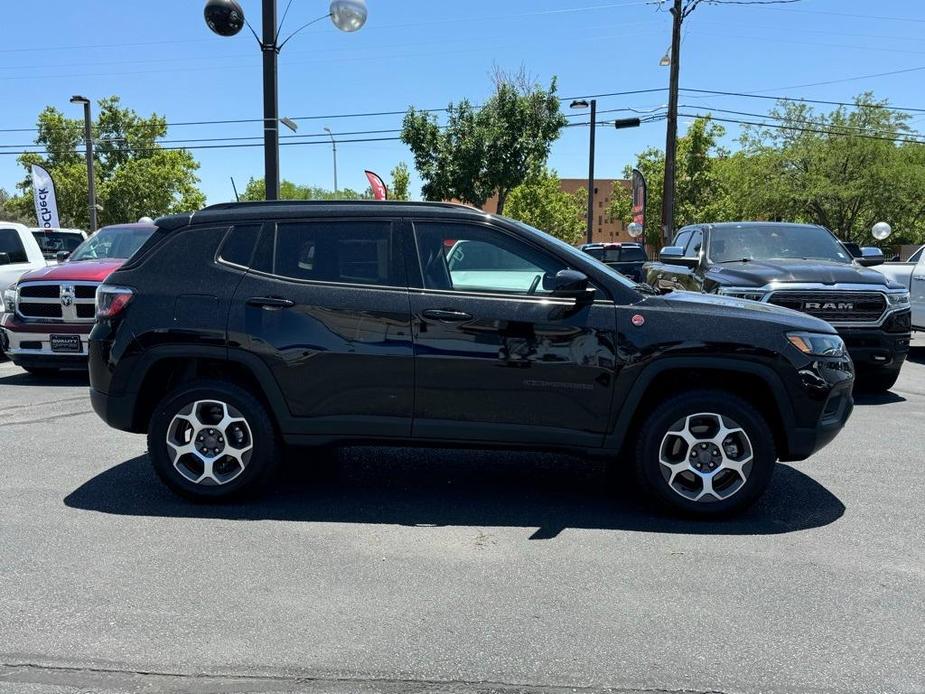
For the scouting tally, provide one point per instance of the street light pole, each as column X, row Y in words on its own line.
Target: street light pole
column 88, row 139
column 226, row 18
column 270, row 101
column 334, row 150
column 671, row 137
column 581, row 104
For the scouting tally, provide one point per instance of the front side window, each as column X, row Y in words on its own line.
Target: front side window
column 11, row 245
column 348, row 252
column 112, row 242
column 915, row 257
column 52, row 242
column 693, row 246
column 472, row 258
column 682, row 239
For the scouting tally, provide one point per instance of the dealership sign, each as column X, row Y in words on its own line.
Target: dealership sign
column 43, row 191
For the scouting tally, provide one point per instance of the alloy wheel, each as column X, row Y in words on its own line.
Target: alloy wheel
column 706, row 457
column 209, row 442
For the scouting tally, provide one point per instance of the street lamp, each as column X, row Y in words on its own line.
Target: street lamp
column 226, row 18
column 88, row 139
column 333, row 149
column 580, row 104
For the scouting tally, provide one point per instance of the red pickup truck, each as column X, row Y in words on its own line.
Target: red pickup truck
column 50, row 311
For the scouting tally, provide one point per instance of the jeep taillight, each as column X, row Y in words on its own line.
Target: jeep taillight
column 111, row 301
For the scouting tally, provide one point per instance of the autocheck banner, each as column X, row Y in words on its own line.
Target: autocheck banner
column 46, row 206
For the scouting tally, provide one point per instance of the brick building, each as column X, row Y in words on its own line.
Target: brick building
column 605, row 227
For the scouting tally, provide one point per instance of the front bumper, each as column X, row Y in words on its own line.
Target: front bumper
column 875, row 348
column 29, row 344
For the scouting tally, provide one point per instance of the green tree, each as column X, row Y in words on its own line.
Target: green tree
column 846, row 170
column 10, row 211
column 401, row 180
column 135, row 176
column 700, row 195
column 255, row 190
column 489, row 150
column 541, row 203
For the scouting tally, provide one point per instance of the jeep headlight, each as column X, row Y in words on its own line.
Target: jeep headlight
column 743, row 293
column 818, row 344
column 8, row 300
column 898, row 300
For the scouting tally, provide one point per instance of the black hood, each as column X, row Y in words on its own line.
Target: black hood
column 713, row 306
column 757, row 273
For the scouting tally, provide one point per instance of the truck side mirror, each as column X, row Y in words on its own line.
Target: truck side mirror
column 674, row 255
column 61, row 256
column 870, row 256
column 4, row 258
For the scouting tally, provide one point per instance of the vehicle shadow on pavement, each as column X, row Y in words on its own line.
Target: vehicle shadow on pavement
column 917, row 355
column 458, row 488
column 64, row 379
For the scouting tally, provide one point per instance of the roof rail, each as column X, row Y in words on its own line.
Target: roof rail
column 318, row 203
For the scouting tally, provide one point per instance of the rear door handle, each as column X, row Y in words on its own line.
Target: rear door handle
column 270, row 303
column 446, row 315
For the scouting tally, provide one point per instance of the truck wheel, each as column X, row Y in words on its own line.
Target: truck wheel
column 211, row 440
column 875, row 381
column 705, row 453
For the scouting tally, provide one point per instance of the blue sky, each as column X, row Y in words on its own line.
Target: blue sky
column 159, row 56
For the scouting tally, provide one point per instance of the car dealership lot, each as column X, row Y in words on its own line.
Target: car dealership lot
column 472, row 571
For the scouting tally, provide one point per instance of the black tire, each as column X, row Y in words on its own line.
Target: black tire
column 875, row 381
column 41, row 371
column 732, row 409
column 260, row 465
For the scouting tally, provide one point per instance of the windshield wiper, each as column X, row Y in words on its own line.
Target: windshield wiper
column 646, row 288
column 735, row 260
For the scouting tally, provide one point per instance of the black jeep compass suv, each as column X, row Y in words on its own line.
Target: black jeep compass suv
column 244, row 326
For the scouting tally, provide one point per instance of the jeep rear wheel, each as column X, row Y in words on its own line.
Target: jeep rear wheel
column 705, row 453
column 211, row 440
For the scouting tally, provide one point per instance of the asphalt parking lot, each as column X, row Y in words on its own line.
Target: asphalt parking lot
column 449, row 571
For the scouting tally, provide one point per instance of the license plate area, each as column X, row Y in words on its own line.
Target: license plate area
column 68, row 344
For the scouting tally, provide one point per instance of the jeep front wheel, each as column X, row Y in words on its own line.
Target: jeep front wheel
column 705, row 453
column 211, row 440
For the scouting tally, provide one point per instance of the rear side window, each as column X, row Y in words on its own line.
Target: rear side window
column 347, row 252
column 11, row 244
column 238, row 246
column 633, row 255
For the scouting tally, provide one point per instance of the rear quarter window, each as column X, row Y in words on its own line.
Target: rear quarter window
column 11, row 244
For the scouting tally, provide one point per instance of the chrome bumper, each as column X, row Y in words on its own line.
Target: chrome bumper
column 37, row 344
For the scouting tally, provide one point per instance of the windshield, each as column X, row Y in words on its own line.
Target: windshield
column 51, row 242
column 112, row 242
column 572, row 252
column 773, row 241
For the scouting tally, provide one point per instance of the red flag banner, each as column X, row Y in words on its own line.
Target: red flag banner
column 380, row 192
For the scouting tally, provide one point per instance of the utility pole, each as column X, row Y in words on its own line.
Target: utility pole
column 88, row 139
column 270, row 101
column 671, row 139
column 591, row 172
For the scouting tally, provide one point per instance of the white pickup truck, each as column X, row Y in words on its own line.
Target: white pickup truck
column 19, row 253
column 910, row 274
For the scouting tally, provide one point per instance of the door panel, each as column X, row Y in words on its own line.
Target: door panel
column 497, row 356
column 341, row 353
column 917, row 290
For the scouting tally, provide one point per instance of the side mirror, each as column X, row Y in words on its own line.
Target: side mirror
column 4, row 258
column 674, row 255
column 61, row 256
column 870, row 256
column 572, row 284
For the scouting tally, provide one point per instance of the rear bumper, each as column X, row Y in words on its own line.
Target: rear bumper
column 117, row 412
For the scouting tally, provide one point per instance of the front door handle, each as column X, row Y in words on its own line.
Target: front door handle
column 270, row 303
column 446, row 315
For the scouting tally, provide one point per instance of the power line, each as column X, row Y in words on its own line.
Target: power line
column 752, row 95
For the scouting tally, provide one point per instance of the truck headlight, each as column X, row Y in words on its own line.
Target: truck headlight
column 743, row 293
column 898, row 300
column 8, row 300
column 818, row 344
